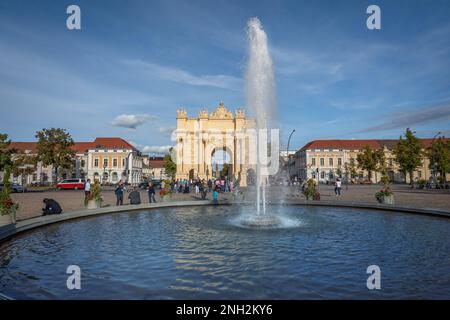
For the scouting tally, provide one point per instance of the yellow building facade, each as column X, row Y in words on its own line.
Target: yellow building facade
column 199, row 138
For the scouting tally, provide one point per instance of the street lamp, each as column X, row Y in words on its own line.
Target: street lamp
column 287, row 155
column 434, row 162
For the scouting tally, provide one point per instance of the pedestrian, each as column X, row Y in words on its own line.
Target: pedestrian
column 203, row 189
column 197, row 187
column 210, row 184
column 51, row 207
column 119, row 193
column 87, row 191
column 337, row 189
column 151, row 193
column 135, row 196
column 216, row 196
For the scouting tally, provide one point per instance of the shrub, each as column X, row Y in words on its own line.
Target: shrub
column 310, row 190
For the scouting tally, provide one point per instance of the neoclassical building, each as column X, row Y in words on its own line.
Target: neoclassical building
column 324, row 160
column 107, row 160
column 199, row 138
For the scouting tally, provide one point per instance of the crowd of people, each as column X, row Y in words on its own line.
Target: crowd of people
column 199, row 187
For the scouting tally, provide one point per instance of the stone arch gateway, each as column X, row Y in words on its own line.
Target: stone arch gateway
column 198, row 138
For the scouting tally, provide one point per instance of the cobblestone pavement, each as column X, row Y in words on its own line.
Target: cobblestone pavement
column 72, row 200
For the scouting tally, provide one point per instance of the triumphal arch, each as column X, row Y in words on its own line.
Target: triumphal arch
column 199, row 138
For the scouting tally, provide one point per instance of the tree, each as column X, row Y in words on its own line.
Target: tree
column 350, row 168
column 225, row 170
column 439, row 156
column 54, row 148
column 408, row 154
column 169, row 166
column 368, row 160
column 6, row 152
column 23, row 164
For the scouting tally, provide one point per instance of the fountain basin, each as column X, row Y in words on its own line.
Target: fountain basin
column 199, row 253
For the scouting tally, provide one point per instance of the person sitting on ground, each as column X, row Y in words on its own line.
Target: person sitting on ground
column 51, row 207
column 135, row 196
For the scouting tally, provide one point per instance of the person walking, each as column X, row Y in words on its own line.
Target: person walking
column 151, row 193
column 119, row 193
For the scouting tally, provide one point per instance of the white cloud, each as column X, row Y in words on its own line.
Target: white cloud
column 167, row 131
column 181, row 76
column 131, row 121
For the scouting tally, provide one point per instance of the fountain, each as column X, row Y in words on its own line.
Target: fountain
column 260, row 91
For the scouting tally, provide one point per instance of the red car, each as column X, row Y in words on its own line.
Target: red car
column 71, row 184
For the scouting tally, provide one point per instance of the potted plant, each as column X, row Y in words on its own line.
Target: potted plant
column 95, row 199
column 310, row 191
column 166, row 192
column 385, row 196
column 8, row 207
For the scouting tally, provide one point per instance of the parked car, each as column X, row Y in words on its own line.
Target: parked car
column 15, row 187
column 71, row 184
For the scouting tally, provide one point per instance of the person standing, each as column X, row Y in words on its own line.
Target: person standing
column 87, row 191
column 216, row 195
column 338, row 187
column 119, row 193
column 197, row 187
column 151, row 193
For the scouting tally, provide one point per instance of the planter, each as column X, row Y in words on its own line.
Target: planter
column 94, row 204
column 6, row 219
column 386, row 199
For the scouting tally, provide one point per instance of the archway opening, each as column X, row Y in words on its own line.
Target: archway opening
column 222, row 166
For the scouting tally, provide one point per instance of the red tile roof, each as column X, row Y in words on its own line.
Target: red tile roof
column 156, row 163
column 80, row 147
column 358, row 144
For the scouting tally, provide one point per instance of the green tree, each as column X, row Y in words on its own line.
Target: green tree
column 225, row 169
column 368, row 160
column 439, row 156
column 6, row 152
column 350, row 168
column 169, row 166
column 54, row 148
column 408, row 154
column 23, row 164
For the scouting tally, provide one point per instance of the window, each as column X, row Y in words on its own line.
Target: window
column 322, row 174
column 123, row 162
column 105, row 163
column 313, row 161
column 83, row 163
column 114, row 162
column 96, row 162
column 339, row 161
column 352, row 161
column 330, row 162
column 322, row 162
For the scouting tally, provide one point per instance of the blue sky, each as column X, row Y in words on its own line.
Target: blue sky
column 135, row 62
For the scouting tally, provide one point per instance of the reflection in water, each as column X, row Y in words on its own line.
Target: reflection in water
column 200, row 253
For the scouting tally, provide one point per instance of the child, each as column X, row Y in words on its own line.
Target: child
column 216, row 196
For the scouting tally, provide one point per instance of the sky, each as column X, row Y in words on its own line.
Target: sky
column 134, row 63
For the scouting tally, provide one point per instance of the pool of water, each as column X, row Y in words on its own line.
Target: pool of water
column 204, row 253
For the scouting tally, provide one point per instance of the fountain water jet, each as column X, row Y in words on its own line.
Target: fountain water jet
column 260, row 91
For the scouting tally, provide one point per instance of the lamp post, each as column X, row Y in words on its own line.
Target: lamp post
column 287, row 155
column 434, row 162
